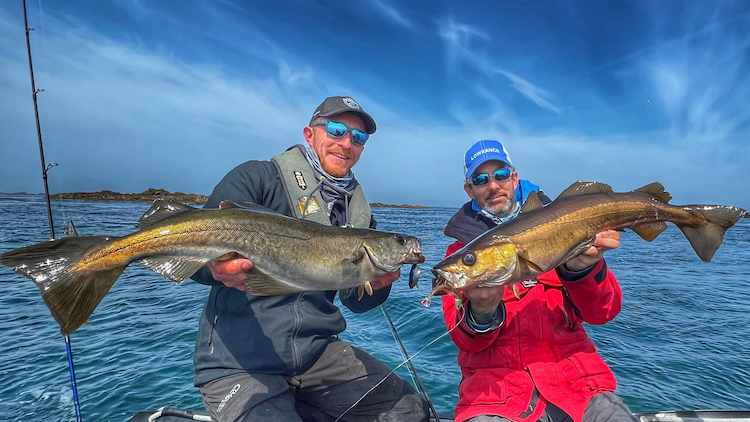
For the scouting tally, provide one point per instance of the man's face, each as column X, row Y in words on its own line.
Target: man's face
column 496, row 197
column 337, row 155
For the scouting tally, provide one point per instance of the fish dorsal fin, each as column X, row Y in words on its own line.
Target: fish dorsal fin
column 532, row 203
column 584, row 188
column 175, row 268
column 70, row 229
column 160, row 210
column 248, row 206
column 650, row 231
column 655, row 190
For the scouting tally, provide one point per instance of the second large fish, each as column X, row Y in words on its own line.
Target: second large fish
column 542, row 238
column 176, row 240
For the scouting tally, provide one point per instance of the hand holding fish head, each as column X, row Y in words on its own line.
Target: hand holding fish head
column 485, row 299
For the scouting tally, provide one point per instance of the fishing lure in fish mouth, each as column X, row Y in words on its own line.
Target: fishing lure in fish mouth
column 414, row 274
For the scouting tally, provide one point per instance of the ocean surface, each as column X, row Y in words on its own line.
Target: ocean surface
column 682, row 340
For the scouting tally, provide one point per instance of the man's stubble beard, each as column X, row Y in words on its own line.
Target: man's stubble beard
column 505, row 210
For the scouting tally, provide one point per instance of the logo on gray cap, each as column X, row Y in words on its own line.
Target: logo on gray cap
column 351, row 103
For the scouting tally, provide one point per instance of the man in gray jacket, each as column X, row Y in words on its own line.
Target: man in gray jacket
column 278, row 357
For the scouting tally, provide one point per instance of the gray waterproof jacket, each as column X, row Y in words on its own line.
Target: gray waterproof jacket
column 285, row 335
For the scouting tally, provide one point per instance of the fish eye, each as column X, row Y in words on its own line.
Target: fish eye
column 469, row 258
column 401, row 240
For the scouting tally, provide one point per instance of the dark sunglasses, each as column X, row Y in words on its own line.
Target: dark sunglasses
column 499, row 175
column 338, row 130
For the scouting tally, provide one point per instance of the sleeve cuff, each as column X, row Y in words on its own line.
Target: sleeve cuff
column 569, row 276
column 497, row 320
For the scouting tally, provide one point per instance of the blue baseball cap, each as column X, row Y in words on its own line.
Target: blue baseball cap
column 484, row 151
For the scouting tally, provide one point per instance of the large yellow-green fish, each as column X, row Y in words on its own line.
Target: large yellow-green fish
column 289, row 255
column 542, row 238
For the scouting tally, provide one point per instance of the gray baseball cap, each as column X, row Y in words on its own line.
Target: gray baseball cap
column 337, row 105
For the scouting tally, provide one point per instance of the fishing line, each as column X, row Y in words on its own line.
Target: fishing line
column 400, row 365
column 412, row 369
column 397, row 339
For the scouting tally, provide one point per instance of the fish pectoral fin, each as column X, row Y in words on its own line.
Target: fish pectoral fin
column 360, row 253
column 524, row 258
column 532, row 203
column 175, row 268
column 162, row 209
column 649, row 232
column 655, row 190
column 261, row 283
column 584, row 188
column 579, row 249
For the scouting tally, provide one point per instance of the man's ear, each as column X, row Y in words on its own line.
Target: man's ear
column 469, row 191
column 307, row 132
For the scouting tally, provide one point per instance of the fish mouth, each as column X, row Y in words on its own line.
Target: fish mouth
column 445, row 281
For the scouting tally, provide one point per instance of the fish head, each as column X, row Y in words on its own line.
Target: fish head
column 388, row 253
column 492, row 265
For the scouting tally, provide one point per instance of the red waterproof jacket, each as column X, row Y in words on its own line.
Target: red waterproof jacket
column 541, row 353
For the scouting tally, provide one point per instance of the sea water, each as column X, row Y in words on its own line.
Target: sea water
column 681, row 341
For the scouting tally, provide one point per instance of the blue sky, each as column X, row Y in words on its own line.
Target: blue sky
column 173, row 95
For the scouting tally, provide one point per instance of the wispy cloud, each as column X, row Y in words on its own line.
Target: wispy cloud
column 461, row 50
column 391, row 13
column 531, row 91
column 127, row 115
column 702, row 84
column 458, row 42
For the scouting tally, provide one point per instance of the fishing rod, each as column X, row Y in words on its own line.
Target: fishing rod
column 411, row 364
column 45, row 169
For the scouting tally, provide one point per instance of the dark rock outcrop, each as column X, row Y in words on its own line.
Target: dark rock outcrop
column 145, row 196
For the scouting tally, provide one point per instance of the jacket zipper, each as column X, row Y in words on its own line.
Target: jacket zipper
column 295, row 331
column 213, row 325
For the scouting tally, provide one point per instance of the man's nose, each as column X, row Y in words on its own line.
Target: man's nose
column 493, row 184
column 346, row 140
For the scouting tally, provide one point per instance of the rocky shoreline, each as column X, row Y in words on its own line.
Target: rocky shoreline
column 152, row 194
column 382, row 205
column 145, row 196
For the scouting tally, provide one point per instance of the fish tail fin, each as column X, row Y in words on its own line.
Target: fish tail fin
column 71, row 295
column 707, row 238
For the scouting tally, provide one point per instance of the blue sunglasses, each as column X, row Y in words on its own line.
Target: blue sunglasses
column 338, row 130
column 499, row 175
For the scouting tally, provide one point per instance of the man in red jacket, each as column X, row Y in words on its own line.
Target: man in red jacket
column 529, row 359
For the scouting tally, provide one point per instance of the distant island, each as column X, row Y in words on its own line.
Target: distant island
column 145, row 196
column 153, row 193
column 382, row 205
